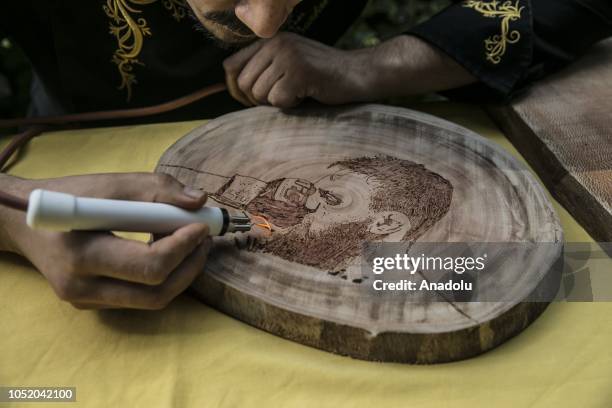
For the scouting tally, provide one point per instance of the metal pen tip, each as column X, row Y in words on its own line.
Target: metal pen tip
column 241, row 227
column 240, row 219
column 240, row 223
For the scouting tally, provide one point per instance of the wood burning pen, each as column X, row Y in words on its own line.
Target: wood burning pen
column 66, row 212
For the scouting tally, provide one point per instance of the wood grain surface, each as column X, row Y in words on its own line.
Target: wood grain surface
column 330, row 179
column 563, row 127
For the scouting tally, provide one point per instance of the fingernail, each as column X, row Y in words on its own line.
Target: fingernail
column 193, row 193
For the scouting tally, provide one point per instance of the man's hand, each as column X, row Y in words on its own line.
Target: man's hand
column 100, row 270
column 284, row 70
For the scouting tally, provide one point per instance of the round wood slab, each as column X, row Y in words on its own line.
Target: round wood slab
column 330, row 180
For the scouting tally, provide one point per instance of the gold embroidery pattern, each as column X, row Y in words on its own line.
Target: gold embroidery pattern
column 177, row 8
column 495, row 46
column 130, row 33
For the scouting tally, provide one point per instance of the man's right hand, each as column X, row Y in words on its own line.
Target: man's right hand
column 98, row 269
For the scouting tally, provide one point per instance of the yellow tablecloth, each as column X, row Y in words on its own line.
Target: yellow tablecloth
column 191, row 355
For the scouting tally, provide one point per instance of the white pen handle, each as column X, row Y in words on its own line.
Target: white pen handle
column 65, row 212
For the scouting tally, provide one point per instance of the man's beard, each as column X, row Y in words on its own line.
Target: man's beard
column 224, row 45
column 198, row 26
column 228, row 20
column 331, row 249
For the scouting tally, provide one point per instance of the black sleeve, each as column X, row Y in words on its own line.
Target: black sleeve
column 509, row 44
column 325, row 20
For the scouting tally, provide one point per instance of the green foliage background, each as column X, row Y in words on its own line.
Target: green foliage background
column 385, row 18
column 381, row 20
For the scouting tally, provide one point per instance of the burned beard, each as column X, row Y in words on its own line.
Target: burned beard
column 330, row 250
column 279, row 213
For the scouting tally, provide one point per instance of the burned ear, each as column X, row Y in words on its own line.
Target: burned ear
column 389, row 222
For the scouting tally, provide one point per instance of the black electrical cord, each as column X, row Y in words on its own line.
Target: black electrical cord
column 13, row 201
column 116, row 114
column 39, row 124
column 18, row 141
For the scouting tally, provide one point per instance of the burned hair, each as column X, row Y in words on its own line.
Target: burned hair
column 406, row 187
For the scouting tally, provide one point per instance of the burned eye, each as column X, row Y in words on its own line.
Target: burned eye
column 329, row 197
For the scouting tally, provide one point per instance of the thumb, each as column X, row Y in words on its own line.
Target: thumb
column 163, row 188
column 169, row 190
